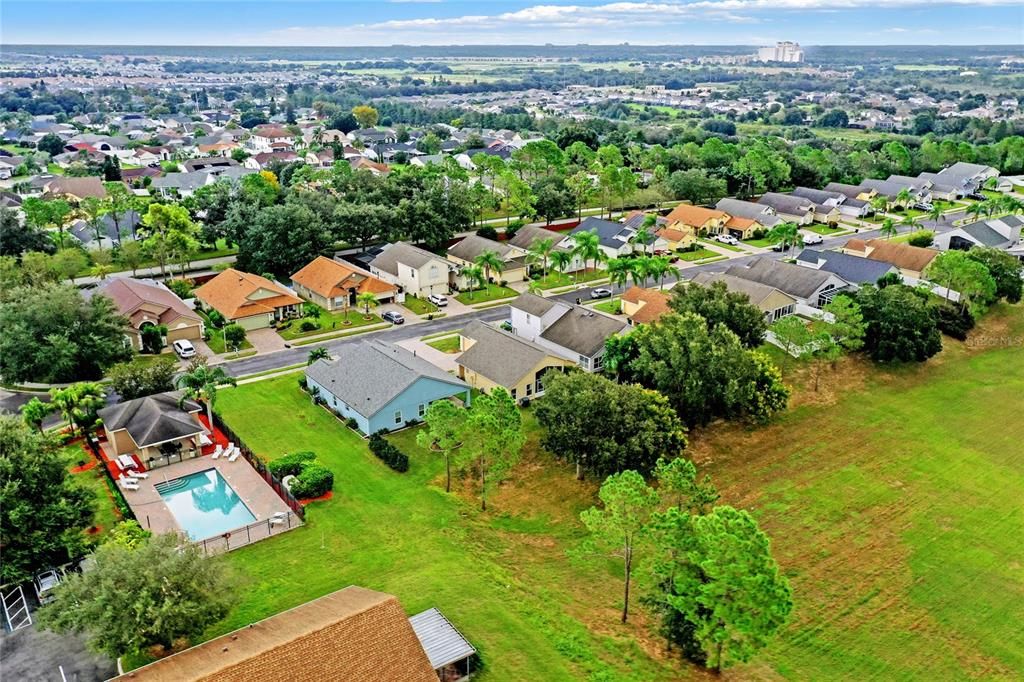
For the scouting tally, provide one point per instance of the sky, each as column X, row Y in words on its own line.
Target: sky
column 462, row 22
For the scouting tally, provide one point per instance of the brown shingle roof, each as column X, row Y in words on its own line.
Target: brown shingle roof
column 902, row 256
column 128, row 294
column 77, row 188
column 229, row 294
column 694, row 216
column 351, row 634
column 330, row 279
column 655, row 304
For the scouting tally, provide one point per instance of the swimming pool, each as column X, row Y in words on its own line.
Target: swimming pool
column 204, row 505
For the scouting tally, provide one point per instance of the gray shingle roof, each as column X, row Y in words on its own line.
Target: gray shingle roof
column 851, row 268
column 755, row 291
column 472, row 246
column 850, row 191
column 784, row 203
column 795, row 280
column 582, row 330
column 502, row 357
column 404, row 253
column 439, row 638
column 611, row 235
column 818, row 196
column 154, row 419
column 985, row 234
column 533, row 304
column 527, row 235
column 370, row 374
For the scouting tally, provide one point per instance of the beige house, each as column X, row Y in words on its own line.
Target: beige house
column 642, row 306
column 912, row 261
column 155, row 428
column 493, row 357
column 696, row 220
column 248, row 300
column 773, row 303
column 469, row 249
column 417, row 271
column 149, row 303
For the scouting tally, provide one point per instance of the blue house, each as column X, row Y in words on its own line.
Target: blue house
column 382, row 386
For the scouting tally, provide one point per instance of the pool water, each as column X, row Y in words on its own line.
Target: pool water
column 204, row 505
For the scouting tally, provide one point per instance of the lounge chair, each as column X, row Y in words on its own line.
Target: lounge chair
column 139, row 474
column 234, row 455
column 129, row 485
column 228, row 451
column 218, row 451
column 278, row 518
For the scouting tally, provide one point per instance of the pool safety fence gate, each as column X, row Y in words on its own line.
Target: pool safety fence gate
column 261, row 468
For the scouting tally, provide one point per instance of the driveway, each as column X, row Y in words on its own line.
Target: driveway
column 445, row 361
column 34, row 655
column 265, row 340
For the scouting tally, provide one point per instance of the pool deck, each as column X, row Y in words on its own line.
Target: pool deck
column 153, row 514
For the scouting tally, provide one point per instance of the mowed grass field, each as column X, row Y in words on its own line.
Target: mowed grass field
column 897, row 511
column 894, row 498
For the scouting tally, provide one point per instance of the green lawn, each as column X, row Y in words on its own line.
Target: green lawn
column 554, row 280
column 501, row 576
column 612, row 307
column 216, row 340
column 824, row 230
column 419, row 306
column 699, row 254
column 94, row 480
column 896, row 515
column 446, row 344
column 492, row 292
column 328, row 322
column 764, row 242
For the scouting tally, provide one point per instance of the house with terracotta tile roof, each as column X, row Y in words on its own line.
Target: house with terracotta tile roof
column 351, row 634
column 329, row 283
column 147, row 303
column 643, row 306
column 911, row 260
column 249, row 300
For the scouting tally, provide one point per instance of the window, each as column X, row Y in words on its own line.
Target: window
column 584, row 362
column 527, row 318
column 598, row 362
column 514, row 397
column 529, row 390
column 398, row 416
column 422, row 409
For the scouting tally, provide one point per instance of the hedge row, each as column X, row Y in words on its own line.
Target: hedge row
column 388, row 453
column 291, row 464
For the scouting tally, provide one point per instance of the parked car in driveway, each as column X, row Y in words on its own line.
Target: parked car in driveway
column 393, row 317
column 438, row 300
column 184, row 348
column 727, row 239
column 600, row 292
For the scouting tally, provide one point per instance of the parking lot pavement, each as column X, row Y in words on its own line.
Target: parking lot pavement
column 32, row 655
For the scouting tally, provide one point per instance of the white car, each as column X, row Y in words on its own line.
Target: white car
column 438, row 300
column 184, row 348
column 812, row 238
column 727, row 239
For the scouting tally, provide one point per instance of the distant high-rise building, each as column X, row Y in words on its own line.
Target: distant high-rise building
column 782, row 52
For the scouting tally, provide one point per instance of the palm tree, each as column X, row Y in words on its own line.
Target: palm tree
column 588, row 246
column 35, row 411
column 903, row 197
column 533, row 287
column 888, row 228
column 489, row 260
column 561, row 260
column 78, row 403
column 639, row 268
column 200, row 382
column 911, row 222
column 618, row 271
column 991, row 206
column 475, row 275
column 658, row 267
column 645, row 235
column 540, row 251
column 879, row 203
column 786, row 233
column 975, row 210
column 367, row 300
column 318, row 353
column 935, row 213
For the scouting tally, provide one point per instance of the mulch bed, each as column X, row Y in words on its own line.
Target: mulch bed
column 326, row 496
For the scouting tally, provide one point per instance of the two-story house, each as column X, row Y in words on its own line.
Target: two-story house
column 570, row 331
column 417, row 271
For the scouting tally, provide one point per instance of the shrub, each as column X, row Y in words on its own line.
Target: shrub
column 303, row 384
column 216, row 319
column 954, row 321
column 308, row 326
column 351, row 423
column 487, row 232
column 313, row 480
column 234, row 335
column 923, row 238
column 182, row 288
column 387, row 452
column 291, row 464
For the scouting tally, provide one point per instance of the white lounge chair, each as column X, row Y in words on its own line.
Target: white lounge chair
column 228, row 451
column 129, row 485
column 218, row 451
column 234, row 455
column 278, row 518
column 139, row 474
